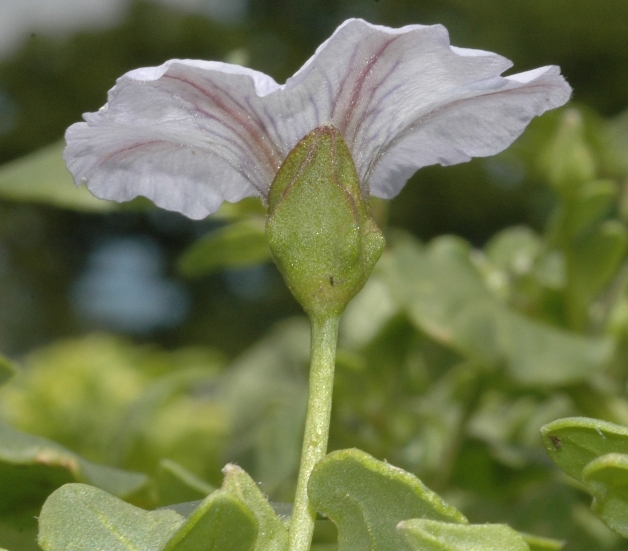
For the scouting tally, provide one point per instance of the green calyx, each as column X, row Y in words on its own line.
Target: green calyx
column 319, row 229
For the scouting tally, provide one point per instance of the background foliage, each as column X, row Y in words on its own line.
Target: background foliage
column 151, row 343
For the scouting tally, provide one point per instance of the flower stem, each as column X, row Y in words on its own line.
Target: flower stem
column 323, row 360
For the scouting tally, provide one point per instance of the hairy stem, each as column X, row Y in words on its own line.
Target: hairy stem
column 323, row 359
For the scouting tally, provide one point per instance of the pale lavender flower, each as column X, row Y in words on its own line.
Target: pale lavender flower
column 192, row 134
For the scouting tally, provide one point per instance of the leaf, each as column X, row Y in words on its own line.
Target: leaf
column 269, row 533
column 78, row 517
column 367, row 498
column 42, row 177
column 236, row 245
column 272, row 535
column 220, row 523
column 367, row 313
column 265, row 393
column 595, row 259
column 573, row 442
column 607, row 476
column 245, row 208
column 17, row 536
column 569, row 159
column 594, row 199
column 431, row 535
column 140, row 436
column 537, row 543
column 7, row 369
column 32, row 467
column 445, row 296
column 514, row 249
column 176, row 484
column 538, row 353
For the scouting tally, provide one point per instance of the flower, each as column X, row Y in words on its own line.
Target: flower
column 192, row 134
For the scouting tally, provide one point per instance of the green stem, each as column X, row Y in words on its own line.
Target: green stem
column 323, row 360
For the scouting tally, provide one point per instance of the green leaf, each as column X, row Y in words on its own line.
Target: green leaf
column 265, row 394
column 175, row 484
column 446, row 297
column 593, row 201
column 78, row 517
column 42, row 177
column 367, row 498
column 220, row 523
column 272, row 535
column 7, row 369
column 234, row 246
column 607, row 476
column 569, row 160
column 514, row 250
column 32, row 467
column 594, row 260
column 537, row 543
column 573, row 442
column 245, row 208
column 431, row 535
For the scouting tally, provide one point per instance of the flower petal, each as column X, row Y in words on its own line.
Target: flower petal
column 188, row 135
column 405, row 98
column 480, row 120
column 192, row 134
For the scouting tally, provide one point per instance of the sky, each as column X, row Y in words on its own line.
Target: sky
column 20, row 18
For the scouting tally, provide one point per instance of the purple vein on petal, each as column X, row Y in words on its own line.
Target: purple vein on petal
column 372, row 111
column 126, row 149
column 236, row 150
column 251, row 130
column 423, row 118
column 359, row 84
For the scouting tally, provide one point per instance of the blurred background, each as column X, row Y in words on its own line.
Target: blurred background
column 140, row 331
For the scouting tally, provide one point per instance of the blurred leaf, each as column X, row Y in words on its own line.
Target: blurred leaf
column 279, row 439
column 19, row 534
column 594, row 199
column 234, row 246
column 510, row 426
column 78, row 517
column 366, row 499
column 119, row 403
column 569, row 161
column 607, row 476
column 446, row 297
column 265, row 394
column 247, row 208
column 7, row 369
column 431, row 535
column 537, row 543
column 176, row 484
column 514, row 250
column 595, row 259
column 167, row 420
column 272, row 535
column 618, row 132
column 42, row 177
column 220, row 523
column 574, row 442
column 367, row 313
column 31, row 467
